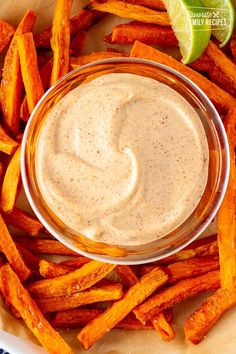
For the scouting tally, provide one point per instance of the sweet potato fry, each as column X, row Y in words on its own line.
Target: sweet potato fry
column 60, row 40
column 7, row 144
column 45, row 74
column 24, row 221
column 226, row 215
column 11, row 182
column 82, row 20
column 163, row 327
column 233, row 48
column 90, row 296
column 50, row 270
column 45, row 246
column 6, row 33
column 76, row 262
column 120, row 309
column 175, row 294
column 153, row 4
column 11, row 84
column 221, row 60
column 135, row 12
column 203, row 319
column 77, row 62
column 219, row 97
column 18, row 296
column 204, row 63
column 30, row 260
column 77, row 43
column 29, row 70
column 218, row 76
column 77, row 318
column 8, row 248
column 127, row 275
column 1, row 169
column 128, row 33
column 72, row 282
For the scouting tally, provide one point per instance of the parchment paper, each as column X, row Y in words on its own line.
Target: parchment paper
column 221, row 339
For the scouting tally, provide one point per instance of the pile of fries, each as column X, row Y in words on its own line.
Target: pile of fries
column 77, row 292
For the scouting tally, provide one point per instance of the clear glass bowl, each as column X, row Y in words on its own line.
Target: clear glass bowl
column 218, row 164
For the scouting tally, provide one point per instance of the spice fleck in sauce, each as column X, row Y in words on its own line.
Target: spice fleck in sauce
column 122, row 159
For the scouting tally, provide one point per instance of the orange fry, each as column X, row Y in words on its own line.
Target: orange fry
column 30, row 260
column 79, row 317
column 77, row 43
column 219, row 97
column 197, row 325
column 11, row 182
column 163, row 327
column 77, row 62
column 90, row 296
column 51, row 270
column 218, row 76
column 45, row 246
column 29, row 70
column 24, row 110
column 8, row 248
column 72, row 282
column 82, row 20
column 76, row 262
column 19, row 298
column 135, row 12
column 6, row 33
column 60, row 40
column 24, row 221
column 127, row 275
column 153, row 4
column 7, row 144
column 175, row 294
column 120, row 309
column 128, row 33
column 204, row 63
column 221, row 60
column 233, row 48
column 11, row 85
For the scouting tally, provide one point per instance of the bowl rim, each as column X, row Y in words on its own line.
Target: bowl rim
column 217, row 120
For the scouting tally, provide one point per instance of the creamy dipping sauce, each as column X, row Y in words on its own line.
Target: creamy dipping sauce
column 122, row 159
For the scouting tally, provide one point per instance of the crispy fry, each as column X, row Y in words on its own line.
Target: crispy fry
column 219, row 97
column 203, row 319
column 135, row 12
column 221, row 60
column 120, row 309
column 127, row 275
column 218, row 76
column 204, row 63
column 30, row 260
column 50, row 270
column 18, row 296
column 7, row 144
column 153, row 4
column 163, row 327
column 45, row 74
column 11, row 182
column 72, row 282
column 175, row 294
column 77, row 43
column 6, row 33
column 233, row 48
column 128, row 33
column 76, row 262
column 90, row 296
column 29, row 70
column 12, row 254
column 45, row 246
column 191, row 268
column 11, row 85
column 82, row 20
column 77, row 318
column 77, row 62
column 1, row 169
column 22, row 220
column 60, row 40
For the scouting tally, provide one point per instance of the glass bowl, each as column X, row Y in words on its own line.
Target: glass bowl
column 217, row 176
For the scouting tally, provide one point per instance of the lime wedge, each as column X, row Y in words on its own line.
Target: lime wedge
column 222, row 19
column 189, row 22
